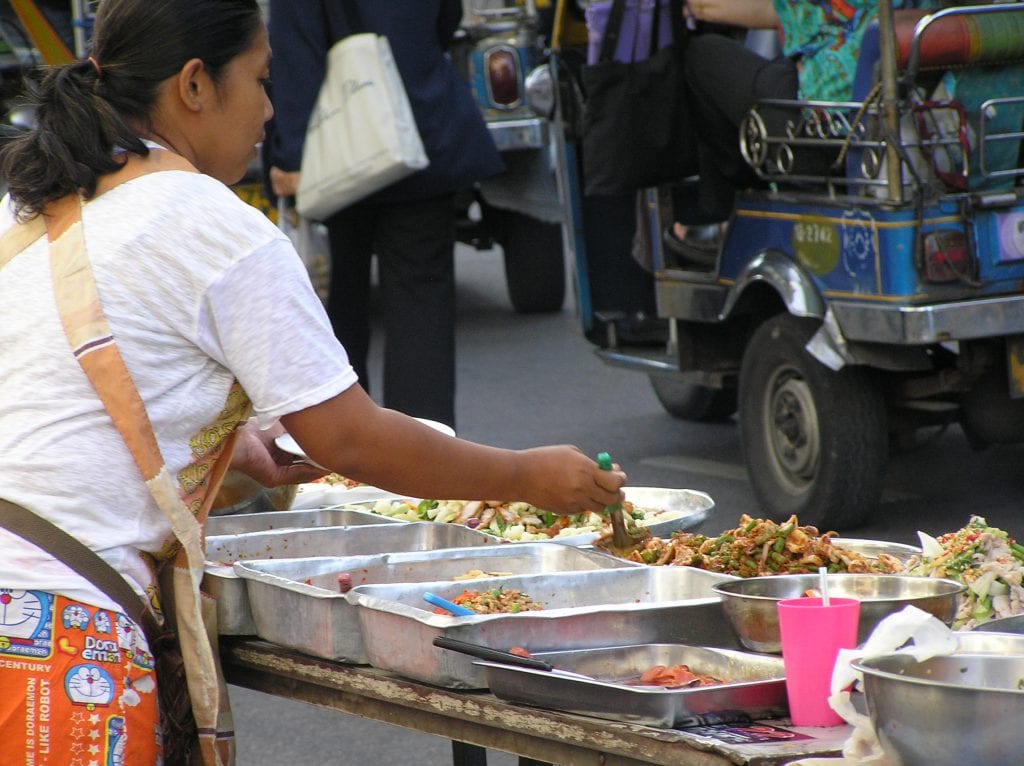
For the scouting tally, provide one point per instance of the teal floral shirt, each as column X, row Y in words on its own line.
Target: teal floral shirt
column 825, row 35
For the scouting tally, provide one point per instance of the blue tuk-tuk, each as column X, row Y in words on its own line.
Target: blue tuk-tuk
column 848, row 310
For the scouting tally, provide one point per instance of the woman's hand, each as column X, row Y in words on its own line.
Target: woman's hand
column 260, row 459
column 285, row 183
column 390, row 450
column 563, row 480
column 751, row 14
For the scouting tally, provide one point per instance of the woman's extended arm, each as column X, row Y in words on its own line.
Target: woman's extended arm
column 353, row 436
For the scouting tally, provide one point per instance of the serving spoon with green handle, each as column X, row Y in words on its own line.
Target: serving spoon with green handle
column 621, row 539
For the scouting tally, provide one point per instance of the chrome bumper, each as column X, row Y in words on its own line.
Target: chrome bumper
column 920, row 325
column 528, row 133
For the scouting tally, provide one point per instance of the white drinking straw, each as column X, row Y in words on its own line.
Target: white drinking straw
column 822, row 572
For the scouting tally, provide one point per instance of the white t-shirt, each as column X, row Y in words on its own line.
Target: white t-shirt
column 199, row 289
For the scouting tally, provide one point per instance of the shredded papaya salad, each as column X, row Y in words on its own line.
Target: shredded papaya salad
column 985, row 559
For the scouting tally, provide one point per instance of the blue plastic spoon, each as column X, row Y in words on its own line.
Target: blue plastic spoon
column 443, row 603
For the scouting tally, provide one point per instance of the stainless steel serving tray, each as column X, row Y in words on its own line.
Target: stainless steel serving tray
column 755, row 685
column 693, row 507
column 222, row 551
column 869, row 548
column 323, row 495
column 243, row 523
column 296, row 603
column 583, row 610
column 873, row 548
column 685, row 509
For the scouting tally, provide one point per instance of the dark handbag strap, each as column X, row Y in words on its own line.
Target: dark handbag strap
column 82, row 559
column 613, row 26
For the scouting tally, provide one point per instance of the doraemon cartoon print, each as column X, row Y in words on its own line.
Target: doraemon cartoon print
column 89, row 685
column 25, row 622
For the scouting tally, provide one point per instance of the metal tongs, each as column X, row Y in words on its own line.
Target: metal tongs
column 621, row 539
column 504, row 658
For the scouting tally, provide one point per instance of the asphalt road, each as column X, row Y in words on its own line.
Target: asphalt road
column 529, row 380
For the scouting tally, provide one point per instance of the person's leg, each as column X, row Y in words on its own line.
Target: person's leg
column 415, row 243
column 726, row 79
column 618, row 284
column 729, row 78
column 348, row 300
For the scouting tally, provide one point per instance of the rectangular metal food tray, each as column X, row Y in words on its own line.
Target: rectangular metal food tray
column 582, row 610
column 323, row 495
column 233, row 614
column 243, row 523
column 754, row 685
column 296, row 603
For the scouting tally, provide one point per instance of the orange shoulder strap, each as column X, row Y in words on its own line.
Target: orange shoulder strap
column 81, row 313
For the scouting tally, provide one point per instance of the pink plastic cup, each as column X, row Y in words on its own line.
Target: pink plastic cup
column 812, row 635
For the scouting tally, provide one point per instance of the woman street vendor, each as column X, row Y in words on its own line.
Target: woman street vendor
column 156, row 330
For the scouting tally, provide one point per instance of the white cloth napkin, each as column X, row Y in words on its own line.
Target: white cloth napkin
column 909, row 631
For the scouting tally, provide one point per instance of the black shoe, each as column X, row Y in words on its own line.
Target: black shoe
column 642, row 329
column 691, row 252
column 622, row 328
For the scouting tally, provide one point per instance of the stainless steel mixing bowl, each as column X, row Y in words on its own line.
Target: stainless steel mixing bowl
column 750, row 604
column 955, row 710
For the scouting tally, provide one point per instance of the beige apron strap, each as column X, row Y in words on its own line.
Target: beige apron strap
column 93, row 345
column 18, row 237
column 91, row 339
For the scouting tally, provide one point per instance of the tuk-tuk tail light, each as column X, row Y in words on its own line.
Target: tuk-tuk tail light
column 946, row 257
column 503, row 75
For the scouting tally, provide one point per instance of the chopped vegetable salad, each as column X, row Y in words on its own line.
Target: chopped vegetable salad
column 985, row 559
column 516, row 521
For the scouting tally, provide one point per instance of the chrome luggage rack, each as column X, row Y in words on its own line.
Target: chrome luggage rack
column 988, row 110
column 934, row 143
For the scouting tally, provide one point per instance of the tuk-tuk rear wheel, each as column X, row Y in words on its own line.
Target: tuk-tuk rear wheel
column 693, row 402
column 814, row 440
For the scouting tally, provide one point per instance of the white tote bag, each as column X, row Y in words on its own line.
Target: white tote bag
column 361, row 136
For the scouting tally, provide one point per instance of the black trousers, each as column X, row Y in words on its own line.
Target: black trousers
column 415, row 245
column 726, row 79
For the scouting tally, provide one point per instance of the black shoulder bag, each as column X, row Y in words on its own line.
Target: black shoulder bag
column 637, row 129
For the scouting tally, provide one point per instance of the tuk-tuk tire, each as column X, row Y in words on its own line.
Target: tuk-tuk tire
column 815, row 440
column 534, row 262
column 694, row 402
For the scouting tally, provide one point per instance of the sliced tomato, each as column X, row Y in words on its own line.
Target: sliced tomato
column 653, row 675
column 671, row 677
